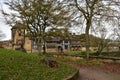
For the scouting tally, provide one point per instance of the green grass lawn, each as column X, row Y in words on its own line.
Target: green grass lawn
column 15, row 65
column 77, row 53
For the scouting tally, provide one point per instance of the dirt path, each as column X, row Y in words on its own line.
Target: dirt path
column 96, row 74
column 107, row 71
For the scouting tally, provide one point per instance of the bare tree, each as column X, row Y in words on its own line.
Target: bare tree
column 93, row 12
column 103, row 41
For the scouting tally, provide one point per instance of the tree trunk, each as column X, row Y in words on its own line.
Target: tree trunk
column 44, row 40
column 31, row 44
column 88, row 24
column 39, row 49
column 44, row 47
column 39, row 45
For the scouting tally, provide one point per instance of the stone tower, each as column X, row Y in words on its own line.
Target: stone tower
column 18, row 36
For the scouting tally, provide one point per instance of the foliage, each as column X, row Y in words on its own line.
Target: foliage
column 62, row 33
column 94, row 40
column 15, row 65
column 37, row 16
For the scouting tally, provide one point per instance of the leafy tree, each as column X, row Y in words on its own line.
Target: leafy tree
column 37, row 16
column 62, row 33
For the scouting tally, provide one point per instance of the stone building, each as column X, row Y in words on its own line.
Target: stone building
column 24, row 43
column 20, row 41
column 6, row 44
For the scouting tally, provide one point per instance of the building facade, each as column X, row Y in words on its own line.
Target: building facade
column 24, row 43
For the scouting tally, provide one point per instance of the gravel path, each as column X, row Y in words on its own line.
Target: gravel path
column 96, row 74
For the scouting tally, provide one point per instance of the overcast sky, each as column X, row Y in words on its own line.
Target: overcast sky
column 3, row 27
column 7, row 30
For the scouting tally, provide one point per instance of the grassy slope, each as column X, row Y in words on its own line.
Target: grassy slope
column 15, row 65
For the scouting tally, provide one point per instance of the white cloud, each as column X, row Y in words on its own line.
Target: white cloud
column 3, row 27
column 6, row 30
